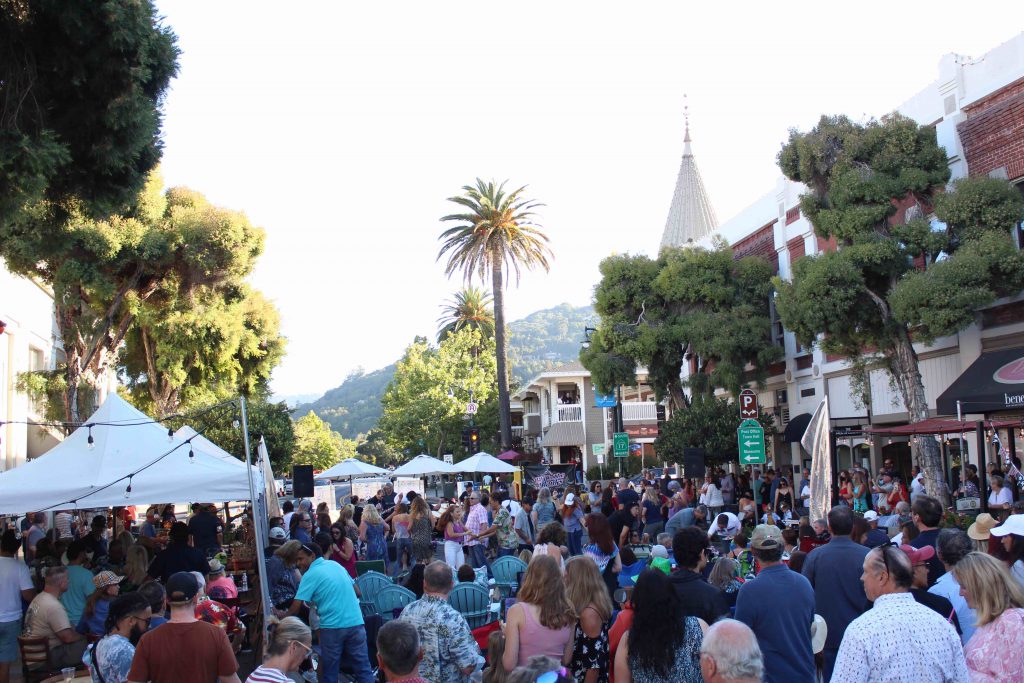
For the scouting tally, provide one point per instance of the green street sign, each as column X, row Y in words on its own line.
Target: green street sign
column 750, row 437
column 620, row 445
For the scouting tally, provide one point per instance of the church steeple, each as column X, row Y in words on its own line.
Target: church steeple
column 691, row 216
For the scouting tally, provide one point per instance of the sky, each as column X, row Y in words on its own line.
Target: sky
column 342, row 127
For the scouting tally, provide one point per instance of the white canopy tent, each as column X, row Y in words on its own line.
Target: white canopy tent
column 76, row 474
column 423, row 465
column 351, row 468
column 485, row 463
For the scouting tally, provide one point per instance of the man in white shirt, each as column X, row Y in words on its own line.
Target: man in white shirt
column 875, row 644
column 726, row 525
column 15, row 586
column 916, row 483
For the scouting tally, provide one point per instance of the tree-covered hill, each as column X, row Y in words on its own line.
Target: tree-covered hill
column 538, row 342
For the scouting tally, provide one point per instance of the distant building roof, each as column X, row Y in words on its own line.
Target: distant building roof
column 691, row 215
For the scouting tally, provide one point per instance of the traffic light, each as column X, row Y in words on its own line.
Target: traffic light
column 465, row 438
column 474, row 440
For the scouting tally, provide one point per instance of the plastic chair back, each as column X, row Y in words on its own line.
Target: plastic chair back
column 506, row 571
column 364, row 566
column 473, row 603
column 391, row 599
column 370, row 584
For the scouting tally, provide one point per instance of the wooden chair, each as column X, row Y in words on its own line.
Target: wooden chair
column 392, row 598
column 35, row 659
column 472, row 602
column 506, row 572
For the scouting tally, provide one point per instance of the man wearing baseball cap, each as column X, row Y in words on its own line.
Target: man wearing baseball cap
column 778, row 606
column 184, row 648
column 876, row 536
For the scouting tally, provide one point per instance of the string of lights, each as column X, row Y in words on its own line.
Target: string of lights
column 73, row 502
column 69, row 427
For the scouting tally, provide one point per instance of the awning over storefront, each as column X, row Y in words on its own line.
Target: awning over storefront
column 939, row 425
column 564, row 434
column 993, row 382
column 796, row 427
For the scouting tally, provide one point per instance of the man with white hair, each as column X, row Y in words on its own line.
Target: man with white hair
column 874, row 646
column 729, row 653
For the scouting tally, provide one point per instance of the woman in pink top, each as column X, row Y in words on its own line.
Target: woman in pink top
column 454, row 535
column 217, row 582
column 541, row 621
column 995, row 652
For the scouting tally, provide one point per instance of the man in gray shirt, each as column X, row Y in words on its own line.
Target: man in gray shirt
column 524, row 524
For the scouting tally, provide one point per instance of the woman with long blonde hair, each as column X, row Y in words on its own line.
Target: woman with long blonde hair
column 996, row 650
column 540, row 623
column 372, row 532
column 135, row 566
column 586, row 591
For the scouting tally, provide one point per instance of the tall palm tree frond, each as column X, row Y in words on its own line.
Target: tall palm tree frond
column 470, row 307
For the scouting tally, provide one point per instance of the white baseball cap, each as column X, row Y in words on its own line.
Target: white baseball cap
column 870, row 516
column 1014, row 524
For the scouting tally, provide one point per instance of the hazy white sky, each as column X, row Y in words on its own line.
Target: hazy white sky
column 341, row 127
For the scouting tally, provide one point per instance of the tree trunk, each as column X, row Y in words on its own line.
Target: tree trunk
column 501, row 354
column 904, row 367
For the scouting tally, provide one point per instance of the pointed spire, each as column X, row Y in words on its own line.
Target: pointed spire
column 691, row 216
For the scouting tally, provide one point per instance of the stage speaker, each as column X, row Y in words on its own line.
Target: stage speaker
column 302, row 481
column 693, row 463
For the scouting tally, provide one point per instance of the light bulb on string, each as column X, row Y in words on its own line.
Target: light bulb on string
column 170, row 434
column 90, row 441
column 191, row 455
column 128, row 491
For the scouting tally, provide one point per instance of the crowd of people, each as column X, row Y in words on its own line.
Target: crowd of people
column 654, row 580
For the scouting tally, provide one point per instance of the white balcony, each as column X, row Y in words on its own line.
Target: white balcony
column 639, row 411
column 518, row 430
column 571, row 412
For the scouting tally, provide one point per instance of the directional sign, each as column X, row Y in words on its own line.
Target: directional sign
column 748, row 405
column 598, row 450
column 620, row 445
column 750, row 437
column 604, row 401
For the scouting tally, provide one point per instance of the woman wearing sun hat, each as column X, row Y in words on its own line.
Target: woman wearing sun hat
column 1012, row 534
column 981, row 530
column 94, row 616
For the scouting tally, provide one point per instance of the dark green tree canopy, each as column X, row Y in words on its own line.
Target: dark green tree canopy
column 897, row 277
column 81, row 85
column 709, row 423
column 689, row 302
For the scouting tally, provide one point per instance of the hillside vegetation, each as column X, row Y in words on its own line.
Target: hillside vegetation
column 538, row 342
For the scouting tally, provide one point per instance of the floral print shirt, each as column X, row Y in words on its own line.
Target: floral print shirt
column 448, row 644
column 996, row 651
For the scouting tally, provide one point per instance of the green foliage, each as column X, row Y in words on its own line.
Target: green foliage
column 470, row 307
column 272, row 421
column 708, row 423
column 80, row 89
column 376, row 451
column 546, row 339
column 318, row 445
column 894, row 277
column 419, row 413
column 496, row 235
column 353, row 408
column 538, row 342
column 689, row 301
column 204, row 334
column 869, row 293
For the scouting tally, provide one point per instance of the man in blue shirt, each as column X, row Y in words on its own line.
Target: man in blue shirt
column 778, row 606
column 342, row 633
column 834, row 570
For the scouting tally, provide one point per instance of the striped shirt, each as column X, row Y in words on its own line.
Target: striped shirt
column 267, row 675
column 476, row 522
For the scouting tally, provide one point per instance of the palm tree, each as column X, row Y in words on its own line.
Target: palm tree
column 470, row 307
column 497, row 234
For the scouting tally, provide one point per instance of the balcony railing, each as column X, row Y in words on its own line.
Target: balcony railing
column 572, row 412
column 639, row 411
column 518, row 431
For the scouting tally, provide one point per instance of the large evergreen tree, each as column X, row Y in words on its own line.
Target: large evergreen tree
column 687, row 303
column 81, row 85
column 495, row 235
column 895, row 278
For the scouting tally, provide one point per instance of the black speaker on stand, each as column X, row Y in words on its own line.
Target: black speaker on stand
column 302, row 481
column 693, row 463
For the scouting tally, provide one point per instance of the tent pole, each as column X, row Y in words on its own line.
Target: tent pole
column 259, row 526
